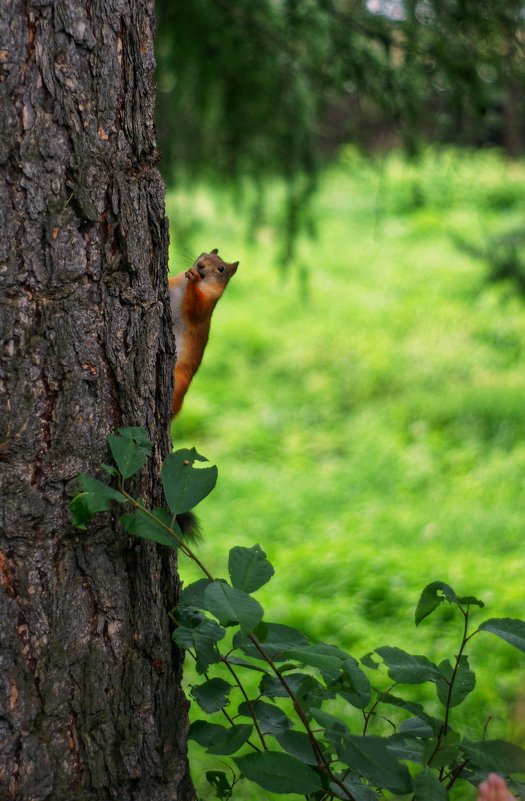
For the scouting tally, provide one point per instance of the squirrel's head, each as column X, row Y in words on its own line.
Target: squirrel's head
column 213, row 269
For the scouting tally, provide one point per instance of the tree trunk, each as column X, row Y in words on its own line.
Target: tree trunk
column 90, row 700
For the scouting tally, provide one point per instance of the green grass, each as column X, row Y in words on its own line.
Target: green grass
column 366, row 409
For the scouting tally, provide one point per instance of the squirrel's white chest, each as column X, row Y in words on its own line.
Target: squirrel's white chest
column 176, row 298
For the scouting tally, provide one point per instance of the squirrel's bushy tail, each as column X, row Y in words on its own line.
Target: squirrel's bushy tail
column 189, row 525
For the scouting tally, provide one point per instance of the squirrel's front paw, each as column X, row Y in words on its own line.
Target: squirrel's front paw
column 192, row 275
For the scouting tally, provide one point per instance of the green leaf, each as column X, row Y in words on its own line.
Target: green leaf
column 221, row 785
column 275, row 639
column 494, row 755
column 271, row 719
column 407, row 668
column 95, row 497
column 220, row 739
column 359, row 791
column 427, row 787
column 98, row 488
column 320, row 656
column 447, row 753
column 408, row 746
column 354, row 686
column 193, row 594
column 330, row 722
column 464, row 682
column 249, row 569
column 412, row 707
column 189, row 617
column 231, row 606
column 311, row 693
column 298, row 744
column 203, row 732
column 307, row 690
column 432, row 596
column 469, row 600
column 271, row 687
column 335, row 731
column 184, row 485
column 230, row 740
column 142, row 525
column 212, row 695
column 233, row 660
column 110, row 470
column 509, row 629
column 370, row 756
column 130, row 448
column 416, row 727
column 202, row 639
column 279, row 773
column 369, row 662
column 81, row 513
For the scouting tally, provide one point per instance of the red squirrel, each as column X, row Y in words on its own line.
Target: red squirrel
column 193, row 297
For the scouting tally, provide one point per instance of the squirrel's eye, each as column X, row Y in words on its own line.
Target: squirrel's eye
column 221, row 268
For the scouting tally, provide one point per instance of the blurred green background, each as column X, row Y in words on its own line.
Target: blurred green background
column 366, row 412
column 363, row 389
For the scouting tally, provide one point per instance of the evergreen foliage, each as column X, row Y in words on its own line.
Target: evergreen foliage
column 250, row 90
column 245, row 87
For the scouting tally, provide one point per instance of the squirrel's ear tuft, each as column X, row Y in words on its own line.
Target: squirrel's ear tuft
column 215, row 250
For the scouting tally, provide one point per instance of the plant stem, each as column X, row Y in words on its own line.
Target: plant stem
column 246, row 698
column 321, row 761
column 455, row 774
column 368, row 715
column 444, row 728
column 223, row 709
column 455, row 670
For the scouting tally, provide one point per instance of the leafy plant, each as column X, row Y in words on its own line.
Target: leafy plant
column 504, row 254
column 282, row 736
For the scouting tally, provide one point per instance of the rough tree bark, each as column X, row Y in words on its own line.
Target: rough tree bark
column 90, row 700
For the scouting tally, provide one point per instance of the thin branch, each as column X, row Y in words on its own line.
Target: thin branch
column 368, row 715
column 321, row 761
column 248, row 701
column 444, row 728
column 223, row 709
